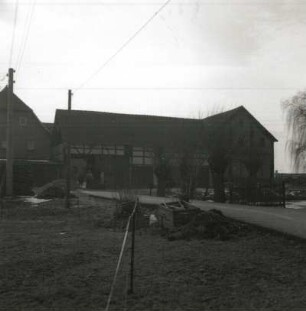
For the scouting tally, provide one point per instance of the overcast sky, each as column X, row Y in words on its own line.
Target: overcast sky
column 192, row 57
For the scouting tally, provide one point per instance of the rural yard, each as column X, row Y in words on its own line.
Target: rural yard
column 53, row 258
column 152, row 155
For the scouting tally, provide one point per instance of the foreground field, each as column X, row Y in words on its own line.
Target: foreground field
column 57, row 259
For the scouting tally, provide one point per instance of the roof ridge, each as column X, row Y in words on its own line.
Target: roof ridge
column 124, row 114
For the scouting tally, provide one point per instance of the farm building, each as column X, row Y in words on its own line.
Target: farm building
column 122, row 150
column 31, row 146
column 112, row 150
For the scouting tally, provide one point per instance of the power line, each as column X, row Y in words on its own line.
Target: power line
column 25, row 37
column 123, row 45
column 208, row 3
column 4, row 76
column 25, row 26
column 14, row 31
column 3, row 84
column 164, row 88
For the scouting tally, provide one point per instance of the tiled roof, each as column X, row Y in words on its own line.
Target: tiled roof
column 79, row 126
column 18, row 105
column 224, row 117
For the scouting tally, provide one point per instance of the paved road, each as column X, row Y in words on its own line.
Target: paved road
column 296, row 204
column 144, row 199
column 287, row 220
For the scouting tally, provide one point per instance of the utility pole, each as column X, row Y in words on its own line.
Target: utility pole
column 68, row 157
column 9, row 134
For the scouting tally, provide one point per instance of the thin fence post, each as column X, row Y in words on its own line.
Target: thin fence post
column 131, row 290
column 68, row 159
column 284, row 194
column 1, row 208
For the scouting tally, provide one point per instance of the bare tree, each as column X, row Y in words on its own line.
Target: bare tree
column 212, row 145
column 295, row 108
column 191, row 161
column 162, row 171
column 218, row 158
column 218, row 145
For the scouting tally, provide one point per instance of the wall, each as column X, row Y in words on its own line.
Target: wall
column 30, row 139
column 250, row 141
column 29, row 174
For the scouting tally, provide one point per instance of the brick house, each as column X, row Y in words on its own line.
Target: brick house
column 31, row 144
column 123, row 149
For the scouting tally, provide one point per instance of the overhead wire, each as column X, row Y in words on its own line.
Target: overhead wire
column 25, row 36
column 3, row 78
column 25, row 26
column 14, row 32
column 165, row 88
column 187, row 3
column 122, row 46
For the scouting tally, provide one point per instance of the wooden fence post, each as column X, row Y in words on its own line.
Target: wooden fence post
column 131, row 290
column 284, row 194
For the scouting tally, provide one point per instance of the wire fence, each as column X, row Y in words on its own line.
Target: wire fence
column 131, row 217
column 272, row 194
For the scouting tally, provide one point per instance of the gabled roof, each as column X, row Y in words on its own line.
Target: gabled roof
column 224, row 115
column 18, row 105
column 91, row 127
column 227, row 115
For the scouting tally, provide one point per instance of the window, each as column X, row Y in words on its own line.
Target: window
column 119, row 150
column 113, row 150
column 95, row 150
column 138, row 161
column 23, row 121
column 108, row 150
column 148, row 161
column 142, row 156
column 30, row 145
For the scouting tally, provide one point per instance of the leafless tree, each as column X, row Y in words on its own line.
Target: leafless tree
column 162, row 171
column 218, row 148
column 295, row 108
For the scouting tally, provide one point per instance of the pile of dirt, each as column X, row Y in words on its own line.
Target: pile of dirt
column 208, row 225
column 54, row 189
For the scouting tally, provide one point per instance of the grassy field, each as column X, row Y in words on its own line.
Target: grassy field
column 57, row 259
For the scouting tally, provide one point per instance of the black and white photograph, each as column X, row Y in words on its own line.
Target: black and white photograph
column 152, row 155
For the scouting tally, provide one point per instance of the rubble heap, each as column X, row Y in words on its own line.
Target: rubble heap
column 208, row 225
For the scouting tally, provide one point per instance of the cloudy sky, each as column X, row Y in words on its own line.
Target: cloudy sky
column 192, row 57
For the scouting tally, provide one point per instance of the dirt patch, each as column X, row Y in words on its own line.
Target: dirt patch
column 54, row 189
column 57, row 259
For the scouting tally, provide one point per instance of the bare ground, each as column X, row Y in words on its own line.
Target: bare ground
column 57, row 259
